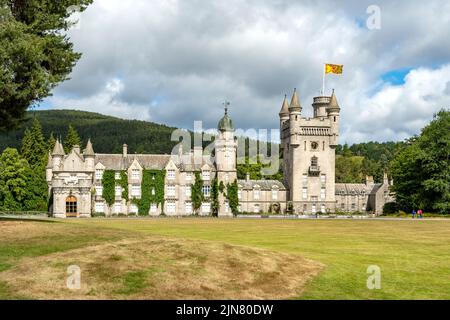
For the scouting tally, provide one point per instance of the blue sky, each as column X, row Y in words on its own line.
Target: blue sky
column 174, row 62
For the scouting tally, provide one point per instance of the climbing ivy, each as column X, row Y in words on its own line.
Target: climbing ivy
column 151, row 180
column 123, row 182
column 232, row 196
column 215, row 205
column 197, row 192
column 109, row 185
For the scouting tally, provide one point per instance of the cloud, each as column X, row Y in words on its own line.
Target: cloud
column 174, row 62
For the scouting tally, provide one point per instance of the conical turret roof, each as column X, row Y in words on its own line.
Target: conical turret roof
column 285, row 107
column 89, row 151
column 295, row 104
column 226, row 124
column 333, row 103
column 58, row 150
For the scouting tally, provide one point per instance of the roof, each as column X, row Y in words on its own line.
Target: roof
column 263, row 184
column 89, row 151
column 58, row 150
column 118, row 162
column 285, row 107
column 333, row 106
column 226, row 124
column 347, row 188
column 295, row 104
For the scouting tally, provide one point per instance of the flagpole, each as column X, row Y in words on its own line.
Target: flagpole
column 323, row 83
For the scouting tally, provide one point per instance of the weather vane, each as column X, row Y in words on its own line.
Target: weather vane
column 226, row 104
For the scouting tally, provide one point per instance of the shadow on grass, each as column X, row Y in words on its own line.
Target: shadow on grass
column 24, row 219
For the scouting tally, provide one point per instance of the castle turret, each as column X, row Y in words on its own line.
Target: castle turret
column 284, row 112
column 89, row 156
column 49, row 169
column 226, row 152
column 295, row 110
column 333, row 111
column 57, row 155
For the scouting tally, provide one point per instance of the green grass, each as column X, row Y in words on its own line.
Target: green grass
column 414, row 256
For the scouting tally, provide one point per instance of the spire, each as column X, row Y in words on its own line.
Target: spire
column 58, row 150
column 89, row 151
column 285, row 107
column 333, row 102
column 295, row 104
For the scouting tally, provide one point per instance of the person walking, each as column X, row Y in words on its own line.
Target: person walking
column 420, row 213
column 413, row 213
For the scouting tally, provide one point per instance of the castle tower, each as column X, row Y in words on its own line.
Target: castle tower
column 226, row 152
column 309, row 155
column 57, row 156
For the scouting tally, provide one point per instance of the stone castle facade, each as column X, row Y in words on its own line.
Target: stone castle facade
column 308, row 146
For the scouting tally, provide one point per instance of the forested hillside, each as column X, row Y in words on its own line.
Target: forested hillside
column 108, row 134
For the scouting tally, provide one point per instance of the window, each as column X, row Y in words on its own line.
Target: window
column 135, row 174
column 314, row 198
column 189, row 208
column 99, row 190
column 206, row 175
column 323, row 178
column 323, row 209
column 118, row 191
column 342, row 206
column 256, row 193
column 305, row 207
column 153, row 191
column 171, row 191
column 99, row 174
column 274, row 194
column 314, row 162
column 99, row 207
column 323, row 193
column 188, row 176
column 188, row 191
column 313, row 208
column 227, row 206
column 171, row 174
column 305, row 178
column 256, row 208
column 305, row 193
column 171, row 207
column 353, row 206
column 136, row 191
column 117, row 207
column 117, row 175
column 206, row 191
column 239, row 194
column 71, row 205
column 134, row 209
column 206, row 207
column 153, row 208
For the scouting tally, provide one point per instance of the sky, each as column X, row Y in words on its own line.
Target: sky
column 177, row 61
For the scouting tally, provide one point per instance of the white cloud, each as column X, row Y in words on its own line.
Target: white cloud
column 176, row 61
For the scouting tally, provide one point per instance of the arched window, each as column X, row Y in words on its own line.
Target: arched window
column 71, row 205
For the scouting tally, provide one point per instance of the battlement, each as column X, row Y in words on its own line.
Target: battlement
column 322, row 100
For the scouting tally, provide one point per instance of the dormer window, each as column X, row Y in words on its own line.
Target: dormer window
column 171, row 174
column 206, row 175
column 135, row 174
column 99, row 174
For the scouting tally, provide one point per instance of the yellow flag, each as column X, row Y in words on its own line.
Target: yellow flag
column 334, row 68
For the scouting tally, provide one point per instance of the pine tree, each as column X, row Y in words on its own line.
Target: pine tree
column 13, row 180
column 51, row 142
column 72, row 139
column 34, row 148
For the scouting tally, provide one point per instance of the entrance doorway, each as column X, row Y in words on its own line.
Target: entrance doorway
column 71, row 207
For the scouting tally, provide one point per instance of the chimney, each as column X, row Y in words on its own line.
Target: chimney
column 125, row 151
column 385, row 178
column 77, row 149
column 369, row 181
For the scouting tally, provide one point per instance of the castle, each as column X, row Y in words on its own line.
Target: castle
column 308, row 147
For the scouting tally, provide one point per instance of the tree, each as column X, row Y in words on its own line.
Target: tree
column 72, row 139
column 13, row 180
column 215, row 205
column 34, row 54
column 51, row 142
column 34, row 148
column 421, row 171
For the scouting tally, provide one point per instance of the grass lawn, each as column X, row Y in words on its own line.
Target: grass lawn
column 230, row 258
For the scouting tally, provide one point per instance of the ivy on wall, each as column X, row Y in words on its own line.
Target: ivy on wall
column 232, row 196
column 123, row 182
column 215, row 205
column 197, row 192
column 109, row 185
column 153, row 183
